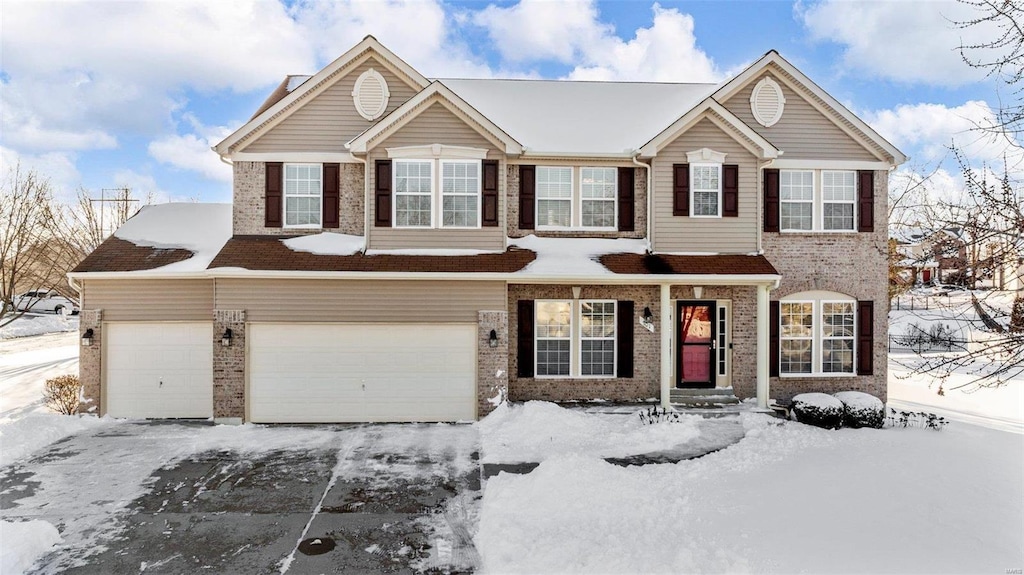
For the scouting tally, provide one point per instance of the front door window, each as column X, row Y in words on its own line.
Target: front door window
column 696, row 344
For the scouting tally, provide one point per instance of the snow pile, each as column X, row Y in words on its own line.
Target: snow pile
column 31, row 324
column 23, row 436
column 327, row 244
column 24, row 542
column 574, row 256
column 538, row 430
column 203, row 229
column 431, row 252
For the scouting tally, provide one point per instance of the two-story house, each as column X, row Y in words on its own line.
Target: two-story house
column 409, row 249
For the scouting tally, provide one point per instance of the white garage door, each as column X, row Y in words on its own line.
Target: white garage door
column 324, row 373
column 159, row 369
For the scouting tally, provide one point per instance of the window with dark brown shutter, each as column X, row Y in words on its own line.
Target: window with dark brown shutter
column 865, row 337
column 771, row 201
column 527, row 197
column 525, row 338
column 382, row 194
column 274, row 184
column 773, row 338
column 332, row 195
column 489, row 217
column 680, row 189
column 866, row 201
column 730, row 191
column 627, row 204
column 624, row 339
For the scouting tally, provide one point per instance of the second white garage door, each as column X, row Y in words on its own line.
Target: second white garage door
column 326, row 373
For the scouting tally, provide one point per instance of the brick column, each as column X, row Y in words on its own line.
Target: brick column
column 491, row 362
column 229, row 367
column 90, row 360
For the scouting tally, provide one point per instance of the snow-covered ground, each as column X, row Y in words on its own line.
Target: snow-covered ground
column 30, row 324
column 27, row 362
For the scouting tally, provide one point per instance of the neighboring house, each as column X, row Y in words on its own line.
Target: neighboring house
column 918, row 264
column 407, row 249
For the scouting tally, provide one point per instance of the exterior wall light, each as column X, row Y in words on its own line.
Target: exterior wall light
column 492, row 340
column 87, row 337
column 647, row 320
column 225, row 339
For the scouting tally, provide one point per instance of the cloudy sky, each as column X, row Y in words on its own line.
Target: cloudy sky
column 103, row 94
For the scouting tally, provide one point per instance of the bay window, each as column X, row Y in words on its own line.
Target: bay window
column 420, row 186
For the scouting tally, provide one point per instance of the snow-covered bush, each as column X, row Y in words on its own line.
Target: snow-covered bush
column 62, row 394
column 819, row 410
column 861, row 409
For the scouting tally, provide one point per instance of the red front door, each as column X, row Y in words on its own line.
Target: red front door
column 696, row 344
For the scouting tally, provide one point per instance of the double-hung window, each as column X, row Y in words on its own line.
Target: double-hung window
column 817, row 337
column 576, row 197
column 575, row 338
column 838, row 197
column 303, row 194
column 817, row 200
column 706, row 190
column 437, row 193
column 796, row 199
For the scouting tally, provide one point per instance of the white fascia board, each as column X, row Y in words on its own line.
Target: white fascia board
column 798, row 164
column 651, row 148
column 437, row 151
column 138, row 275
column 732, row 86
column 407, row 111
column 314, row 81
column 575, row 156
column 314, row 157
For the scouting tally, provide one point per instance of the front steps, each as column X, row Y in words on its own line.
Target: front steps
column 702, row 398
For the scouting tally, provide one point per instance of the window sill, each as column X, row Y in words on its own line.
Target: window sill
column 575, row 377
column 815, row 232
column 575, row 230
column 303, row 227
column 434, row 228
column 816, row 375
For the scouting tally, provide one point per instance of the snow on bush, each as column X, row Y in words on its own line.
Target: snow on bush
column 24, row 542
column 21, row 437
column 31, row 324
column 818, row 409
column 861, row 409
column 537, row 430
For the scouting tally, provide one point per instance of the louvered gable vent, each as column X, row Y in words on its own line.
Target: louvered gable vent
column 371, row 94
column 767, row 102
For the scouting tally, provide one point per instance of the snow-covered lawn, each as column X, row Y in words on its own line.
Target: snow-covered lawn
column 30, row 324
column 27, row 362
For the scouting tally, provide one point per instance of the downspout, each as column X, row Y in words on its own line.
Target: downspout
column 650, row 201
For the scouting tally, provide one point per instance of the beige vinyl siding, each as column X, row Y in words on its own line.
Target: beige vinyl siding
column 717, row 235
column 803, row 132
column 312, row 300
column 150, row 299
column 330, row 119
column 437, row 125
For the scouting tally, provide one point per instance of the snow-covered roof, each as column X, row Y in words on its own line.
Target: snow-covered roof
column 573, row 256
column 607, row 117
column 202, row 229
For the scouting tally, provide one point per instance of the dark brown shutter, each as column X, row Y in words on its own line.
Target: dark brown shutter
column 272, row 194
column 626, row 199
column 525, row 338
column 382, row 194
column 680, row 189
column 730, row 191
column 527, row 197
column 624, row 339
column 866, row 201
column 771, row 200
column 773, row 338
column 865, row 337
column 489, row 217
column 332, row 195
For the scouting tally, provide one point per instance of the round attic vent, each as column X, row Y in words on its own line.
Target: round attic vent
column 371, row 94
column 767, row 102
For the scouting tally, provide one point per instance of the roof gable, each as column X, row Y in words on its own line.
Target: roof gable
column 720, row 116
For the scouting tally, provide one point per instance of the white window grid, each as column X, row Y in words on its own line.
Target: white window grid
column 705, row 190
column 553, row 338
column 796, row 341
column 832, row 202
column 414, row 193
column 460, row 194
column 827, row 347
column 796, row 197
column 303, row 194
column 838, row 321
column 437, row 193
column 598, row 190
column 554, row 196
column 597, row 338
column 569, row 330
column 576, row 198
column 839, row 200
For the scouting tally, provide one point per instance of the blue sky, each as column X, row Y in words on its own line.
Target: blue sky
column 105, row 94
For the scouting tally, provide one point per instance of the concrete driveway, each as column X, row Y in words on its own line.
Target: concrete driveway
column 185, row 498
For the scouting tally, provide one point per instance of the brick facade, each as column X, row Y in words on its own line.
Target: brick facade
column 229, row 366
column 854, row 264
column 90, row 361
column 491, row 362
column 249, row 211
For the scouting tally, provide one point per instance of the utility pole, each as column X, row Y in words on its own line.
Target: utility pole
column 124, row 199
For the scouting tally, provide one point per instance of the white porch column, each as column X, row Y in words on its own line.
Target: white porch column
column 763, row 346
column 666, row 346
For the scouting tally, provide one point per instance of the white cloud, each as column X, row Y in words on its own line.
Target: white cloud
column 59, row 167
column 567, row 32
column 911, row 41
column 192, row 151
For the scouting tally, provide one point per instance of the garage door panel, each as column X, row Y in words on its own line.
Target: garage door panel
column 364, row 372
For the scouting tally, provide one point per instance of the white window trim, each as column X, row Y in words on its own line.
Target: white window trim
column 817, row 339
column 285, row 196
column 812, row 201
column 576, row 339
column 693, row 190
column 576, row 203
column 437, row 194
column 818, row 210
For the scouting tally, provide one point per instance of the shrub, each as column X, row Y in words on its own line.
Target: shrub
column 861, row 409
column 819, row 410
column 652, row 416
column 63, row 394
column 1017, row 315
